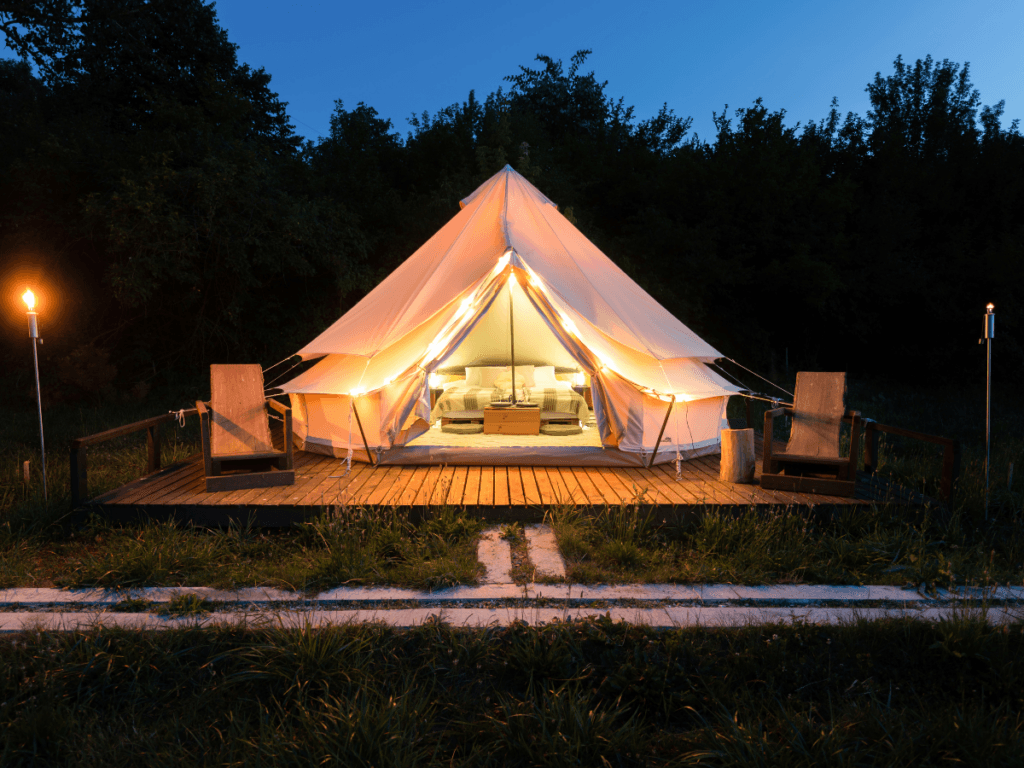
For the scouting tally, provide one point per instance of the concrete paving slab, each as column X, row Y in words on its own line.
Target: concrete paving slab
column 495, row 555
column 802, row 593
column 896, row 594
column 543, row 550
column 669, row 617
column 709, row 594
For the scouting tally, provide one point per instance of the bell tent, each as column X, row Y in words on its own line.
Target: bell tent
column 509, row 280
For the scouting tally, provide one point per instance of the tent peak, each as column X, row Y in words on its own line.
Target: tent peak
column 503, row 178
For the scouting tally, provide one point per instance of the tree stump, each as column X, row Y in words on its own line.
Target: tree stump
column 737, row 456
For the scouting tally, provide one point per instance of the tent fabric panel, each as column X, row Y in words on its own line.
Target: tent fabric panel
column 574, row 267
column 444, row 267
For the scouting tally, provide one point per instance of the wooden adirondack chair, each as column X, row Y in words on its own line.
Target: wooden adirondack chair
column 810, row 462
column 236, row 436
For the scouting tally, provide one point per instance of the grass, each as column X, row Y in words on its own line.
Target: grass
column 40, row 547
column 875, row 545
column 591, row 692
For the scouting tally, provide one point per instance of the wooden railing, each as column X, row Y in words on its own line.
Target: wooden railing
column 950, row 452
column 872, row 431
column 79, row 460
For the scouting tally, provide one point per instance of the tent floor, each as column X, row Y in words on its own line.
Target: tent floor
column 579, row 450
column 494, row 492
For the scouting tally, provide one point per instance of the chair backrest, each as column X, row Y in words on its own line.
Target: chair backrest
column 238, row 415
column 818, row 410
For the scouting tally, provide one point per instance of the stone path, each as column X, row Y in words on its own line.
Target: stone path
column 497, row 601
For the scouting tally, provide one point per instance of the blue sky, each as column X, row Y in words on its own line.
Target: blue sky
column 405, row 57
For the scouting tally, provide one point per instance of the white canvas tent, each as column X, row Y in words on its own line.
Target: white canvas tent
column 447, row 305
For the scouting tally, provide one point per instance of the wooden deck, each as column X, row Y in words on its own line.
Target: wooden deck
column 514, row 492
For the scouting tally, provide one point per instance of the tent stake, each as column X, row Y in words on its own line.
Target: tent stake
column 363, row 435
column 664, row 424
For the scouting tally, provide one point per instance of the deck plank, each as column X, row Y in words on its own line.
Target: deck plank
column 408, row 495
column 540, row 475
column 605, row 493
column 477, row 489
column 385, row 486
column 146, row 487
column 681, row 487
column 621, row 492
column 576, row 492
column 516, row 495
column 531, row 487
column 179, row 480
column 377, row 474
column 426, row 490
column 439, row 494
column 456, row 493
column 501, row 489
column 586, row 486
column 333, row 486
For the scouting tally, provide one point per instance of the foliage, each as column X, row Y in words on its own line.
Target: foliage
column 590, row 692
column 156, row 179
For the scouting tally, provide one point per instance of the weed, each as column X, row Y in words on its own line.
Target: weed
column 186, row 604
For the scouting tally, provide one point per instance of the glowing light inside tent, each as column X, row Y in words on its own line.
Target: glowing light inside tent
column 357, row 392
column 580, row 379
column 435, row 380
column 512, row 278
column 503, row 261
column 30, row 299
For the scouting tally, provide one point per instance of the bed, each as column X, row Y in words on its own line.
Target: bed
column 491, row 384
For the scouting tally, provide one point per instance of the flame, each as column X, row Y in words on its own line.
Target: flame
column 30, row 299
column 990, row 307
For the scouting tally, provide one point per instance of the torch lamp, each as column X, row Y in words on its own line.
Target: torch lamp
column 990, row 333
column 33, row 332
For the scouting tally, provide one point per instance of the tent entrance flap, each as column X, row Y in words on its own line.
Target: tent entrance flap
column 489, row 341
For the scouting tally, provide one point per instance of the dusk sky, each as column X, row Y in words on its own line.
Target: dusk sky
column 405, row 57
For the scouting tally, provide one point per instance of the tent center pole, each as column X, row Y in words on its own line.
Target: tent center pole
column 512, row 339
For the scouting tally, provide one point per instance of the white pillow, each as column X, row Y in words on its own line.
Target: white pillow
column 524, row 376
column 484, row 375
column 544, row 377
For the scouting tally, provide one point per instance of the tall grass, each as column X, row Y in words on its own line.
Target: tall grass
column 578, row 693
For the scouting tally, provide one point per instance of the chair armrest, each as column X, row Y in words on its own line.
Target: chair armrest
column 285, row 411
column 279, row 407
column 769, row 430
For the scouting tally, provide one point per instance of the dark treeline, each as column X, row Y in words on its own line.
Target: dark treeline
column 154, row 183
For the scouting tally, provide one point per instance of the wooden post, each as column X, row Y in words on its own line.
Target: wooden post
column 737, row 462
column 79, row 475
column 854, row 448
column 153, row 447
column 950, row 468
column 871, row 436
column 26, row 474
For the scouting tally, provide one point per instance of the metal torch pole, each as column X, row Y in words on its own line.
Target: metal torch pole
column 33, row 332
column 990, row 333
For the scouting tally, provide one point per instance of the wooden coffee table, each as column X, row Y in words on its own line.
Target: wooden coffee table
column 512, row 421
